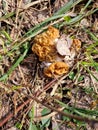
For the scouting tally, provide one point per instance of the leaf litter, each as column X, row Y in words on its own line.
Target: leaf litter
column 28, row 78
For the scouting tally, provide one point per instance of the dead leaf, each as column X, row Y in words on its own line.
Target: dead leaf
column 62, row 47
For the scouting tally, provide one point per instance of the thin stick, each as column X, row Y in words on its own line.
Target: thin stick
column 10, row 115
column 85, row 119
column 33, row 3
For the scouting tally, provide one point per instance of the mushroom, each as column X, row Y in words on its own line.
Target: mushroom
column 56, row 69
column 76, row 44
column 44, row 44
column 56, row 54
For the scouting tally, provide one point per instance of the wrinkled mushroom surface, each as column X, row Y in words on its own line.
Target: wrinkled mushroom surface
column 76, row 44
column 59, row 53
column 44, row 44
column 56, row 69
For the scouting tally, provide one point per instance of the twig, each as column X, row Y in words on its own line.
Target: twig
column 10, row 115
column 47, row 116
column 85, row 119
column 48, row 86
column 33, row 3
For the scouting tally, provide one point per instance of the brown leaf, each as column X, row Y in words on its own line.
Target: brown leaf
column 62, row 47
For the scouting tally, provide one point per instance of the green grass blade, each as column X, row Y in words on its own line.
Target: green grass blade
column 41, row 25
column 89, row 71
column 57, row 15
column 5, row 76
column 67, row 6
column 7, row 16
column 89, row 64
column 87, row 4
column 91, row 34
column 80, row 111
column 6, row 35
column 75, row 20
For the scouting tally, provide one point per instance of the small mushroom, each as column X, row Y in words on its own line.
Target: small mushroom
column 76, row 44
column 56, row 69
column 57, row 55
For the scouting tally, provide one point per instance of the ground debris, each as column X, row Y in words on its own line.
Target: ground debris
column 59, row 48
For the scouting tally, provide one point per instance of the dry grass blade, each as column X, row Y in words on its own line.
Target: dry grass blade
column 33, row 100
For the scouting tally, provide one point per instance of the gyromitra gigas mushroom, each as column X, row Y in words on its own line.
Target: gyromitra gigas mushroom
column 76, row 44
column 44, row 44
column 56, row 69
column 58, row 53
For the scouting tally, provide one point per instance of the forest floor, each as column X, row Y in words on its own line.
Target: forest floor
column 31, row 100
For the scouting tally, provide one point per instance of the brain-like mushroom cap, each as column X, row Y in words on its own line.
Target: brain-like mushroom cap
column 60, row 53
column 52, row 32
column 76, row 44
column 44, row 44
column 56, row 69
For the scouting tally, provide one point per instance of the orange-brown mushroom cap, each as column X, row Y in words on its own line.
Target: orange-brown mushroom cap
column 48, row 51
column 76, row 44
column 52, row 32
column 44, row 45
column 56, row 69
